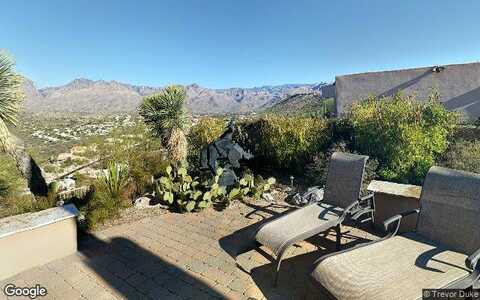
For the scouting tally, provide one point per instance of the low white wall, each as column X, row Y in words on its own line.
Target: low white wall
column 33, row 239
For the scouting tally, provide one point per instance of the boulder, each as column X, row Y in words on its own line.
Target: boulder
column 142, row 202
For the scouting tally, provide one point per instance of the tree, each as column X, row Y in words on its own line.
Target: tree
column 166, row 115
column 11, row 99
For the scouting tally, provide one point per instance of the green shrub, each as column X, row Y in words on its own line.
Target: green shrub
column 11, row 181
column 462, row 155
column 404, row 135
column 201, row 134
column 286, row 142
column 107, row 198
column 15, row 204
column 102, row 206
column 114, row 179
column 142, row 153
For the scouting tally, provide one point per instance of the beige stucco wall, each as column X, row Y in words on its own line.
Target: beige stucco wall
column 458, row 85
column 387, row 205
column 31, row 248
column 392, row 199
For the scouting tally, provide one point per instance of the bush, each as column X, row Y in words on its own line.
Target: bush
column 404, row 135
column 201, row 134
column 102, row 206
column 15, row 204
column 136, row 149
column 286, row 142
column 463, row 155
column 114, row 179
column 11, row 181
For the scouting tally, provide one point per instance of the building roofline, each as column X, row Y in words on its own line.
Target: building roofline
column 408, row 69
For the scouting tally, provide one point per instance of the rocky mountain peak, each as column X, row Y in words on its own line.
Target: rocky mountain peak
column 87, row 96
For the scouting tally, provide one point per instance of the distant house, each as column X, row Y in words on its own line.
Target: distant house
column 458, row 85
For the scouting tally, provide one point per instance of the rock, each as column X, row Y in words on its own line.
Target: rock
column 142, row 202
column 66, row 184
column 268, row 197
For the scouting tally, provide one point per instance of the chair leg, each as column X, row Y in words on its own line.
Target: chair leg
column 372, row 223
column 338, row 231
column 279, row 262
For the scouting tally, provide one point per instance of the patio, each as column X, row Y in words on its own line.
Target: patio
column 183, row 256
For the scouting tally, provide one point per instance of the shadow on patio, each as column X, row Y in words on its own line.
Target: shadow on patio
column 298, row 265
column 136, row 273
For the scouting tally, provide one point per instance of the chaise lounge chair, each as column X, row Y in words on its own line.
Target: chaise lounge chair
column 400, row 266
column 341, row 200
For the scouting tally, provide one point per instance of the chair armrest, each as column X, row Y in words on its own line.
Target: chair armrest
column 362, row 212
column 366, row 197
column 472, row 260
column 349, row 210
column 397, row 219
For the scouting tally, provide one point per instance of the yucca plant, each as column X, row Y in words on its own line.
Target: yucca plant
column 11, row 99
column 115, row 178
column 166, row 115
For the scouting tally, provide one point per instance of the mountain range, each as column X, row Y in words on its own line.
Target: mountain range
column 104, row 97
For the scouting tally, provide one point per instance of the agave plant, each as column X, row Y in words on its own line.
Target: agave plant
column 115, row 178
column 11, row 99
column 165, row 114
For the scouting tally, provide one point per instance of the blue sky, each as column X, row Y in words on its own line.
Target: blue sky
column 233, row 43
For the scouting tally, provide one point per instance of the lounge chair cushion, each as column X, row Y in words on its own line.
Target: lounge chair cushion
column 397, row 268
column 309, row 220
column 450, row 209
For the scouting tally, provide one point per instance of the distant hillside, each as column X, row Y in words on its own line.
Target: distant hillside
column 88, row 96
column 303, row 103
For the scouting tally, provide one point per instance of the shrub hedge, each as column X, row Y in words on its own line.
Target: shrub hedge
column 286, row 142
column 463, row 155
column 405, row 136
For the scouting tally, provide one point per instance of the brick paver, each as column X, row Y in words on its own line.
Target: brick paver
column 182, row 256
